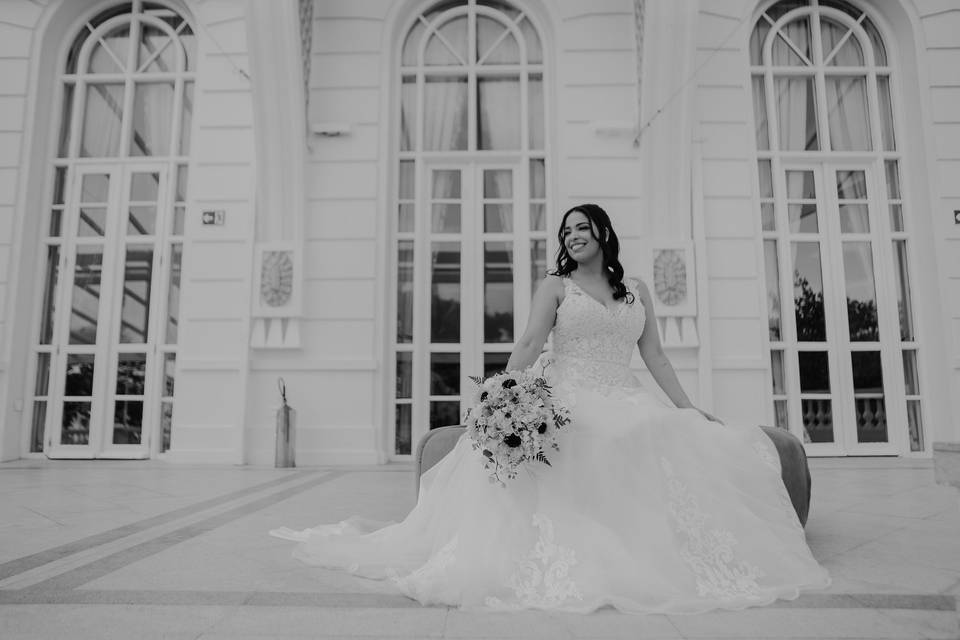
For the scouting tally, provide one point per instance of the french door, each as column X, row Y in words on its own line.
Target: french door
column 838, row 379
column 469, row 253
column 111, row 358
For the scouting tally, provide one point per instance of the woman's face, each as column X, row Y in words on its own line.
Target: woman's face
column 579, row 237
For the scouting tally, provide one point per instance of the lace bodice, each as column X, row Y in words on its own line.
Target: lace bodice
column 593, row 343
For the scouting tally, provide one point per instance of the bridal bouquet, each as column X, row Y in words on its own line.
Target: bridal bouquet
column 514, row 420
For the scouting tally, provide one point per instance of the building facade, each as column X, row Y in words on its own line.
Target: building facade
column 202, row 201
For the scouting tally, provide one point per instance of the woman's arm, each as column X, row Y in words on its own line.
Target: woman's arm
column 543, row 313
column 656, row 360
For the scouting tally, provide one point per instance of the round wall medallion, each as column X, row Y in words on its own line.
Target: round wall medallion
column 276, row 278
column 670, row 277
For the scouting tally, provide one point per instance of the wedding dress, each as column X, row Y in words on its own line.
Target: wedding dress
column 646, row 508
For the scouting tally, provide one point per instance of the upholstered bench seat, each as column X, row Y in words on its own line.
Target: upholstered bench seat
column 793, row 461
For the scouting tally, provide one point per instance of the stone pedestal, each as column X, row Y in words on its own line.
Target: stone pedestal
column 946, row 463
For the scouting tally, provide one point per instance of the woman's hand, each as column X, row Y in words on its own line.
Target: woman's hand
column 710, row 417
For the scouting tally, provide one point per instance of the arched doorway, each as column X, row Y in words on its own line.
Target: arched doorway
column 468, row 215
column 836, row 231
column 105, row 338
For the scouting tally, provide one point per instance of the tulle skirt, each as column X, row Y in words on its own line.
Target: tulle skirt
column 645, row 508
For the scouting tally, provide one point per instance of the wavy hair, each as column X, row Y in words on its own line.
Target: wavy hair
column 602, row 231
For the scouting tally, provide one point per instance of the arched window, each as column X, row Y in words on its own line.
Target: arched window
column 106, row 338
column 835, row 230
column 469, row 214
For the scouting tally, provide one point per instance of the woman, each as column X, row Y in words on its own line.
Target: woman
column 646, row 507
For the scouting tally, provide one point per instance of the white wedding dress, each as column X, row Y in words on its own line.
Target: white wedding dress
column 646, row 507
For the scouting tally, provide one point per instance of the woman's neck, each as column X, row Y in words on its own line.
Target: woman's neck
column 591, row 270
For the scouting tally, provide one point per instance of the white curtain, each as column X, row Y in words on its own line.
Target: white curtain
column 847, row 114
column 445, row 114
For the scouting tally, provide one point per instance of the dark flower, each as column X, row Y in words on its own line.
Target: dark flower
column 509, row 382
column 542, row 428
column 512, row 440
column 483, row 396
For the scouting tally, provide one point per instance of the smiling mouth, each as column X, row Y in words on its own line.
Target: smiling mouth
column 576, row 246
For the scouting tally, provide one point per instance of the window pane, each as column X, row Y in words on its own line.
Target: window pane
column 814, row 372
column 780, row 418
column 50, row 282
column 494, row 363
column 152, row 119
column 796, row 33
column 404, row 374
column 444, row 374
column 808, row 292
column 445, row 114
column 904, row 302
column 848, row 116
column 498, row 292
column 854, row 218
column 95, row 188
column 173, row 293
column 498, row 113
column 776, row 369
column 445, row 218
column 495, row 44
column 851, row 185
column 186, row 122
column 768, row 220
column 538, row 180
column 796, row 114
column 892, row 173
column 42, row 381
column 800, row 185
column 861, row 292
column 38, row 425
column 408, row 113
column 78, row 381
column 871, row 414
column 802, row 218
column 915, row 425
column 538, row 263
column 131, row 374
column 896, row 217
column 85, row 299
column 75, row 424
column 760, row 113
column 886, row 113
column 444, row 413
column 109, row 55
column 817, row 420
column 169, row 374
column 402, row 433
column 407, row 180
column 497, row 218
column 879, row 51
column 157, row 53
column 450, row 47
column 498, row 183
column 911, row 377
column 535, row 114
column 538, row 217
column 757, row 38
column 446, row 184
column 772, row 273
column 66, row 115
column 841, row 52
column 405, row 218
column 166, row 425
column 445, row 292
column 766, row 178
column 102, row 120
column 405, row 291
column 137, row 280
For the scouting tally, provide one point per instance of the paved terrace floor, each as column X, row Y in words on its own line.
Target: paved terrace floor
column 148, row 550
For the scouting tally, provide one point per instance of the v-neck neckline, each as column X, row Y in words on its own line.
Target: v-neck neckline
column 616, row 304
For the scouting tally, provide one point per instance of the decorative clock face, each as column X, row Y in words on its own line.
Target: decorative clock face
column 276, row 278
column 670, row 277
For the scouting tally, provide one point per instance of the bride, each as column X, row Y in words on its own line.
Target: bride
column 646, row 507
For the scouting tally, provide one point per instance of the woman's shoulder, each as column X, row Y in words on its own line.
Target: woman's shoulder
column 636, row 284
column 552, row 284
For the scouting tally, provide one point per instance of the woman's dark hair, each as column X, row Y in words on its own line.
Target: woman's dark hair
column 602, row 231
